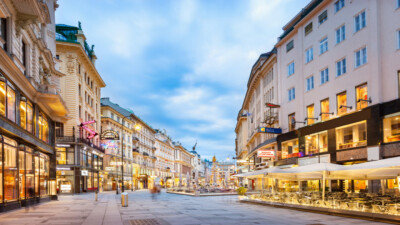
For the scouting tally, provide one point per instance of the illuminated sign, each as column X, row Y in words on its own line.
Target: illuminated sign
column 91, row 132
column 266, row 153
column 110, row 146
column 63, row 168
column 84, row 173
column 63, row 145
column 109, row 135
column 88, row 122
column 65, row 188
column 270, row 130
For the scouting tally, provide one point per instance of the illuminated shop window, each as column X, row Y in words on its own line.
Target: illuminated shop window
column 362, row 96
column 43, row 128
column 316, row 143
column 391, row 128
column 351, row 136
column 341, row 103
column 325, row 109
column 310, row 114
column 290, row 149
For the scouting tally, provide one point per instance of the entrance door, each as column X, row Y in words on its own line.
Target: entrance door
column 83, row 184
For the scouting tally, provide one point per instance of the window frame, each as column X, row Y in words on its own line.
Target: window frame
column 339, row 6
column 308, row 28
column 324, row 19
column 356, row 97
column 342, row 34
column 324, row 73
column 323, row 43
column 338, row 110
column 310, row 83
column 308, row 116
column 343, row 66
column 289, row 46
column 309, row 54
column 362, row 24
column 291, row 94
column 326, row 113
column 290, row 69
column 363, row 55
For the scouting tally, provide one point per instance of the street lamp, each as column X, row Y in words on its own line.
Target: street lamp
column 122, row 152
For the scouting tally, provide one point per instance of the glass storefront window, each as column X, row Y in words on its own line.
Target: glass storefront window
column 22, row 112
column 341, row 103
column 351, row 136
column 292, row 122
column 61, row 154
column 361, row 94
column 21, row 164
column 43, row 128
column 290, row 149
column 10, row 103
column 10, row 170
column 1, row 168
column 29, row 117
column 89, row 158
column 310, row 114
column 391, row 128
column 30, row 175
column 2, row 97
column 65, row 181
column 316, row 143
column 325, row 110
column 44, row 174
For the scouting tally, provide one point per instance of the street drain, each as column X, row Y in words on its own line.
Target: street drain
column 148, row 222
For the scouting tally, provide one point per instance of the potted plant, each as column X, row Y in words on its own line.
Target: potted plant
column 242, row 193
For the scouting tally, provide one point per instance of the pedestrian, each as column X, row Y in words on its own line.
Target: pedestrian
column 153, row 192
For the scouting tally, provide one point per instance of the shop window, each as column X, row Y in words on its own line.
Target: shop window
column 316, row 143
column 290, row 149
column 351, row 136
column 10, row 103
column 325, row 114
column 44, row 175
column 26, row 114
column 292, row 122
column 43, row 128
column 310, row 114
column 61, row 155
column 29, row 173
column 10, row 170
column 391, row 128
column 21, row 165
column 37, row 169
column 1, row 169
column 361, row 96
column 3, row 90
column 341, row 103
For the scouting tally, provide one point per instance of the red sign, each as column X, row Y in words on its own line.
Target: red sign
column 271, row 105
column 266, row 153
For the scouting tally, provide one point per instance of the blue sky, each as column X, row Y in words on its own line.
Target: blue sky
column 181, row 65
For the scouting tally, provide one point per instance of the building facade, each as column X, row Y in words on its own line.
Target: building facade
column 117, row 139
column 79, row 153
column 338, row 86
column 183, row 165
column 165, row 158
column 30, row 102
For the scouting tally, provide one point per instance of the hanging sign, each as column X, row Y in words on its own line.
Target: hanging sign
column 270, row 130
column 109, row 135
column 84, row 173
column 266, row 153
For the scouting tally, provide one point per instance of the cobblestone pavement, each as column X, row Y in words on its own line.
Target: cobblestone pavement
column 167, row 209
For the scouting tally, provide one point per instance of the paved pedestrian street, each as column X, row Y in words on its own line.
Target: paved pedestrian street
column 166, row 209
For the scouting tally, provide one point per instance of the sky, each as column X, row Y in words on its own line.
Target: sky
column 181, row 65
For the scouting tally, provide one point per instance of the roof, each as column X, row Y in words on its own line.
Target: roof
column 68, row 33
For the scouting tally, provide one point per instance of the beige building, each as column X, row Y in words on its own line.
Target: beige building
column 116, row 120
column 165, row 158
column 30, row 102
column 182, row 164
column 79, row 154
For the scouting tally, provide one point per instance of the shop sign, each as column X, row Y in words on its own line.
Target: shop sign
column 63, row 168
column 109, row 168
column 270, row 130
column 84, row 173
column 266, row 153
column 63, row 145
column 109, row 135
column 65, row 188
column 115, row 163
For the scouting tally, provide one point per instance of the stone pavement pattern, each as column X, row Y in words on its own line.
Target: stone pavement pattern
column 168, row 209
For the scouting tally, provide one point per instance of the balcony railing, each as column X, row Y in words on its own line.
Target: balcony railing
column 72, row 139
column 145, row 154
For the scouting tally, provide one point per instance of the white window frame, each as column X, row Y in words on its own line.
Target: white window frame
column 291, row 94
column 342, row 67
column 342, row 34
column 324, row 75
column 310, row 83
column 290, row 69
column 363, row 57
column 309, row 55
column 356, row 28
column 398, row 37
column 323, row 45
column 339, row 4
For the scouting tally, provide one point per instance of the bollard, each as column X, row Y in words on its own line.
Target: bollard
column 124, row 199
column 96, row 195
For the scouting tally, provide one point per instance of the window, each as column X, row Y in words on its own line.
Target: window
column 351, row 136
column 3, row 33
column 340, row 34
column 24, row 56
column 323, row 17
column 290, row 149
column 289, row 46
column 323, row 45
column 292, row 122
column 316, row 143
column 80, row 111
column 341, row 67
column 360, row 21
column 308, row 29
column 310, row 83
column 43, row 128
column 290, row 68
column 397, row 3
column 79, row 90
column 26, row 114
column 309, row 55
column 292, row 94
column 398, row 82
column 398, row 38
column 325, row 114
column 324, row 75
column 361, row 96
column 361, row 57
column 10, row 170
column 341, row 103
column 391, row 128
column 11, row 103
column 339, row 5
column 310, row 114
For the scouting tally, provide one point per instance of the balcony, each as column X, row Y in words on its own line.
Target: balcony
column 72, row 139
column 135, row 139
column 153, row 158
column 146, row 155
column 135, row 151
